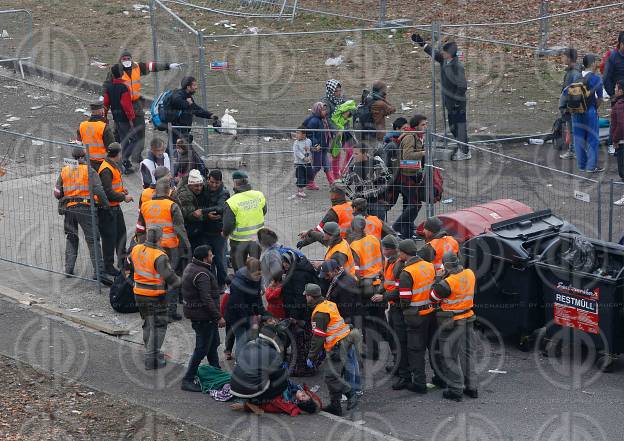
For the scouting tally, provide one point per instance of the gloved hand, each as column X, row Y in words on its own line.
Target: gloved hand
column 416, row 38
column 300, row 244
column 309, row 363
column 175, row 66
column 216, row 122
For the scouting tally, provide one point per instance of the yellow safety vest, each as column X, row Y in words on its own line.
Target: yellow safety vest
column 248, row 209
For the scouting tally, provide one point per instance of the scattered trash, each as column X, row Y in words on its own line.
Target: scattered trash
column 536, row 141
column 36, row 107
column 144, row 8
column 35, row 142
column 530, row 104
column 126, row 12
column 496, row 371
column 77, row 412
column 267, row 138
column 548, row 185
column 482, row 129
column 334, row 61
column 13, row 118
column 228, row 123
column 5, row 125
column 226, row 24
column 447, row 201
column 359, row 422
column 99, row 64
column 5, row 34
column 405, row 107
column 588, row 393
column 233, row 110
column 251, row 30
column 390, row 36
column 349, row 42
column 10, row 87
column 74, row 310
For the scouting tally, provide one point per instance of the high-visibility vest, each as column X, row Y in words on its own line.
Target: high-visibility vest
column 461, row 300
column 344, row 212
column 117, row 180
column 76, row 183
column 92, row 136
column 423, row 276
column 158, row 212
column 248, row 209
column 146, row 195
column 368, row 250
column 390, row 283
column 441, row 246
column 343, row 247
column 133, row 81
column 336, row 330
column 374, row 226
column 147, row 281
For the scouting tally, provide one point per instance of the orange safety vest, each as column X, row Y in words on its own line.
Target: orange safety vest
column 147, row 281
column 344, row 212
column 343, row 247
column 117, row 180
column 133, row 81
column 146, row 195
column 441, row 246
column 368, row 250
column 389, row 282
column 92, row 136
column 461, row 300
column 336, row 330
column 158, row 212
column 423, row 276
column 374, row 226
column 76, row 183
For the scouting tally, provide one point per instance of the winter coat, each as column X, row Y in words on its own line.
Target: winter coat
column 613, row 71
column 188, row 202
column 617, row 120
column 244, row 301
column 179, row 103
column 275, row 302
column 412, row 149
column 380, row 109
column 300, row 273
column 187, row 161
column 200, row 292
column 322, row 138
column 341, row 123
column 453, row 79
column 214, row 201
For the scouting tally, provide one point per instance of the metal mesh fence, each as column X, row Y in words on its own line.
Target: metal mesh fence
column 15, row 33
column 269, row 9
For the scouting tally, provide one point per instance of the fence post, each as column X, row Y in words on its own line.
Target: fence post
column 202, row 72
column 429, row 172
column 611, row 211
column 94, row 226
column 599, row 220
column 435, row 27
column 154, row 25
column 544, row 27
column 382, row 12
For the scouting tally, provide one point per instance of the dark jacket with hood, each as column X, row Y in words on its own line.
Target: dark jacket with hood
column 200, row 292
column 244, row 300
column 380, row 108
column 300, row 273
column 614, row 71
column 315, row 122
column 214, row 202
column 187, row 161
column 187, row 110
column 453, row 77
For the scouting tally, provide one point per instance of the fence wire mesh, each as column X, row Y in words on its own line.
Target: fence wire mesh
column 15, row 34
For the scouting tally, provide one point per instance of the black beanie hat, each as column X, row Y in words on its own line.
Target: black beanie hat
column 450, row 48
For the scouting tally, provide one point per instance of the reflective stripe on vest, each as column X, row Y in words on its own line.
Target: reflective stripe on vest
column 368, row 250
column 92, row 136
column 374, row 226
column 423, row 276
column 343, row 247
column 158, row 212
column 75, row 181
column 117, row 182
column 337, row 329
column 461, row 299
column 133, row 81
column 147, row 280
column 441, row 246
column 344, row 212
column 248, row 209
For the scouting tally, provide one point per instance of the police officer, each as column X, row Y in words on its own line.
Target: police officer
column 455, row 293
column 340, row 212
column 111, row 221
column 374, row 225
column 72, row 191
column 96, row 135
column 368, row 259
column 439, row 241
column 153, row 275
column 243, row 216
column 330, row 332
column 415, row 283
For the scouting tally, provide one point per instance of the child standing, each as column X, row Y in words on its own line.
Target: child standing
column 303, row 167
column 617, row 129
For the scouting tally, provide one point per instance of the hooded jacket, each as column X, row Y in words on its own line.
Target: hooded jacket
column 200, row 292
column 244, row 300
column 613, row 71
column 300, row 273
column 315, row 122
column 380, row 108
column 453, row 78
column 341, row 123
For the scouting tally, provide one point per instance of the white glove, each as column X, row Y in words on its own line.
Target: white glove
column 175, row 66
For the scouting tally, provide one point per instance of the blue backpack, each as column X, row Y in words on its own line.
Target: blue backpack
column 284, row 249
column 161, row 112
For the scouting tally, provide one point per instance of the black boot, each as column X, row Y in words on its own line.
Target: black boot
column 190, row 386
column 450, row 395
column 353, row 400
column 391, row 365
column 472, row 393
column 400, row 383
column 417, row 388
column 157, row 363
column 439, row 382
column 335, row 408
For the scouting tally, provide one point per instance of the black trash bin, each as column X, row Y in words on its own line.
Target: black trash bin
column 508, row 292
column 583, row 285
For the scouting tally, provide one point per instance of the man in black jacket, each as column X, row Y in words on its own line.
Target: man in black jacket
column 200, row 293
column 214, row 196
column 342, row 289
column 183, row 106
column 454, row 87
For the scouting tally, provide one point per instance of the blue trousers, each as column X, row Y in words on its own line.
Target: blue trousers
column 352, row 371
column 585, row 130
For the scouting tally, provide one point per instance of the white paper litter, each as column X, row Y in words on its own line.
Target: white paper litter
column 251, row 30
column 138, row 7
column 5, row 125
column 80, row 110
column 267, row 138
column 5, row 34
column 10, row 87
column 349, row 42
column 75, row 310
column 126, row 12
column 334, row 61
column 99, row 64
column 13, row 118
column 35, row 142
column 536, row 141
column 496, row 371
column 447, row 201
column 36, row 107
column 530, row 104
column 405, row 107
column 233, row 110
column 228, row 123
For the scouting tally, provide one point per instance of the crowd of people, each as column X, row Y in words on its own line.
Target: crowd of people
column 285, row 315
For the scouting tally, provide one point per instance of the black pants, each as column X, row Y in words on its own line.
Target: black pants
column 113, row 232
column 619, row 154
column 457, row 125
column 80, row 215
column 400, row 329
column 375, row 328
column 126, row 137
column 420, row 330
column 240, row 251
column 153, row 311
column 334, row 370
column 206, row 344
column 219, row 263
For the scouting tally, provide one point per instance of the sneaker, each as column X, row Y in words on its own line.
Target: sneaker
column 190, row 386
column 595, row 170
column 567, row 155
column 472, row 393
column 294, row 196
column 353, row 399
column 619, row 202
column 461, row 156
column 611, row 150
column 301, row 194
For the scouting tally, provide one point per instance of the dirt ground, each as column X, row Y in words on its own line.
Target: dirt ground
column 37, row 407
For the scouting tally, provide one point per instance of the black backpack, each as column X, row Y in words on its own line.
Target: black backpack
column 121, row 295
column 363, row 117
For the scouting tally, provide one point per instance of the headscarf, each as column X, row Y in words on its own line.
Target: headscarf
column 330, row 90
column 316, row 110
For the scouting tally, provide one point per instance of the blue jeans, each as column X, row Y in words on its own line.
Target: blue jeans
column 585, row 128
column 352, row 371
column 218, row 244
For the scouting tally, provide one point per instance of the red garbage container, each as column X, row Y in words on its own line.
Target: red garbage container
column 470, row 222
